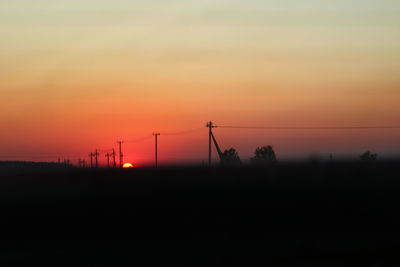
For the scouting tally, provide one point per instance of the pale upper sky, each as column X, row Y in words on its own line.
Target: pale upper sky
column 84, row 73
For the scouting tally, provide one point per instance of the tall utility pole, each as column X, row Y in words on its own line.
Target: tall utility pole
column 91, row 159
column 113, row 157
column 108, row 159
column 156, row 147
column 96, row 154
column 210, row 126
column 121, row 156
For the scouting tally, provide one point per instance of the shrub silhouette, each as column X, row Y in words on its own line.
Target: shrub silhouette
column 368, row 156
column 230, row 157
column 264, row 155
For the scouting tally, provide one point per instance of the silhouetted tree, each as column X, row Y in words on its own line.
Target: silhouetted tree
column 230, row 157
column 264, row 155
column 368, row 156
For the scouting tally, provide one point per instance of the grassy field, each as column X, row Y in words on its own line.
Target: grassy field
column 316, row 213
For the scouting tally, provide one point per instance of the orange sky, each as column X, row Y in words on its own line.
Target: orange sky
column 80, row 76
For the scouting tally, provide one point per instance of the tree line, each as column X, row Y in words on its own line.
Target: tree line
column 265, row 155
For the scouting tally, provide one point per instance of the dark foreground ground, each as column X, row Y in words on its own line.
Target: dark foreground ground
column 338, row 214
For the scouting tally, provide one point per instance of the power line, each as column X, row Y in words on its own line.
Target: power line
column 94, row 160
column 310, row 128
column 139, row 139
column 183, row 132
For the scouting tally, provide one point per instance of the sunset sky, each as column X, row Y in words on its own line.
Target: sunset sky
column 80, row 75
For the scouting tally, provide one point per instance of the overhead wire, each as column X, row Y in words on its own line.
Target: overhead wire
column 183, row 132
column 310, row 128
column 138, row 139
column 190, row 131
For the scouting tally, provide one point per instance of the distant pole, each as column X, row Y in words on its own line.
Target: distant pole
column 156, row 147
column 209, row 143
column 96, row 154
column 121, row 156
column 108, row 159
column 83, row 163
column 91, row 159
column 113, row 156
column 79, row 163
column 209, row 125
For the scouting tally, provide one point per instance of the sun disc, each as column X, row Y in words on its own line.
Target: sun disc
column 127, row 165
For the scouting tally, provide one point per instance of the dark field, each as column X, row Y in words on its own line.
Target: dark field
column 323, row 214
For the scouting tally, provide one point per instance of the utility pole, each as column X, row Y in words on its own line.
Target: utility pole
column 91, row 159
column 108, row 159
column 121, row 156
column 113, row 156
column 156, row 147
column 210, row 126
column 96, row 154
column 67, row 163
column 82, row 163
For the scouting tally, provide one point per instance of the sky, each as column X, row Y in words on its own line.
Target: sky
column 79, row 75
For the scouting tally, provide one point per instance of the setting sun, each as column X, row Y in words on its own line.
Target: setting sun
column 127, row 165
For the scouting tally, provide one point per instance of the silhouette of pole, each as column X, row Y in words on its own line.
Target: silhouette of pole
column 67, row 163
column 121, row 156
column 210, row 126
column 82, row 163
column 156, row 148
column 91, row 159
column 96, row 154
column 108, row 159
column 113, row 156
column 209, row 143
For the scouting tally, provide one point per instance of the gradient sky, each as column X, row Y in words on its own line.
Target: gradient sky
column 79, row 75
